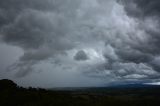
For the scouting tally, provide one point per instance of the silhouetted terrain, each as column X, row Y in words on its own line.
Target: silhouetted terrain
column 13, row 95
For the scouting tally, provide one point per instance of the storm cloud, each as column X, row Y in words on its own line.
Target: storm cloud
column 110, row 40
column 146, row 13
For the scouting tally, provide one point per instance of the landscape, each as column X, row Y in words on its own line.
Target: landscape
column 139, row 95
column 79, row 52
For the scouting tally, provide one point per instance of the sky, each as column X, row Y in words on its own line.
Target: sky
column 75, row 43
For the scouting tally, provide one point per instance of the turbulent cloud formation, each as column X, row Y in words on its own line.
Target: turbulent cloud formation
column 106, row 39
column 146, row 13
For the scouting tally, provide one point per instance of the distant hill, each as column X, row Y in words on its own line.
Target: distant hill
column 134, row 86
column 109, row 87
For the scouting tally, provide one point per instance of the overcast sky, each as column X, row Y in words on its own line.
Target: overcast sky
column 61, row 43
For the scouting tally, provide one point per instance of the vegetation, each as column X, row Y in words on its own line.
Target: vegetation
column 13, row 95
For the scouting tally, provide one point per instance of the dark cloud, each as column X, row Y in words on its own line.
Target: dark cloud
column 142, row 8
column 147, row 13
column 81, row 56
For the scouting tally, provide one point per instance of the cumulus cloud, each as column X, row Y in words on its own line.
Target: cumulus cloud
column 81, row 55
column 113, row 39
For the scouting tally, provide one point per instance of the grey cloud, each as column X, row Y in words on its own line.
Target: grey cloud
column 33, row 29
column 10, row 9
column 133, row 55
column 22, row 68
column 122, row 71
column 110, row 54
column 39, row 27
column 81, row 56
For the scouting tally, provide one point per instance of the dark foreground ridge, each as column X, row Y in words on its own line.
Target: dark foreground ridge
column 13, row 95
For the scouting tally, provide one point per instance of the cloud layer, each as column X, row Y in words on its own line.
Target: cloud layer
column 109, row 39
